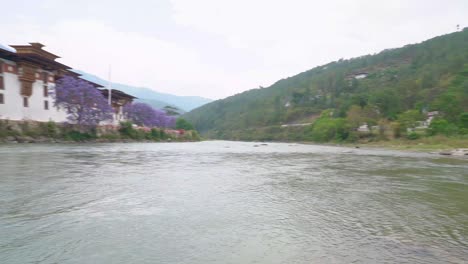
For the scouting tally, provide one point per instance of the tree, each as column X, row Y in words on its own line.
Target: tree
column 145, row 115
column 409, row 118
column 442, row 126
column 326, row 129
column 183, row 124
column 464, row 120
column 357, row 115
column 83, row 103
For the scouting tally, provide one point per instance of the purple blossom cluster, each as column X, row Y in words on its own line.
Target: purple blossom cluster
column 145, row 115
column 83, row 103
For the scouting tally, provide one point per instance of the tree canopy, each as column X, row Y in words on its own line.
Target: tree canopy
column 144, row 115
column 83, row 103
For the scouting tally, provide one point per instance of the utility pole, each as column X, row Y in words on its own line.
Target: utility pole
column 109, row 99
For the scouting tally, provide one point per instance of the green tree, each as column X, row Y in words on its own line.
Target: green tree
column 442, row 126
column 327, row 129
column 183, row 124
column 408, row 119
column 464, row 120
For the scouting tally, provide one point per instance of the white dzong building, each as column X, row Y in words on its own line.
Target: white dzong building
column 27, row 83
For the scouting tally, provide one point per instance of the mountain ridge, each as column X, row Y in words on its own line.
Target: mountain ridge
column 149, row 96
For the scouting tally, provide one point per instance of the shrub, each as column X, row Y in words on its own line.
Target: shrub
column 49, row 129
column 155, row 134
column 442, row 126
column 183, row 124
column 79, row 136
column 111, row 136
column 326, row 129
column 413, row 136
column 126, row 129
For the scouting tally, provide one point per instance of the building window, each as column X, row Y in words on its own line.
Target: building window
column 25, row 102
column 2, row 85
column 46, row 105
column 2, row 99
column 46, row 91
column 45, row 77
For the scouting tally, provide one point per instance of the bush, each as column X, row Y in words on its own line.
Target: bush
column 464, row 120
column 442, row 126
column 49, row 129
column 155, row 134
column 111, row 137
column 79, row 136
column 183, row 124
column 126, row 129
column 413, row 136
column 326, row 129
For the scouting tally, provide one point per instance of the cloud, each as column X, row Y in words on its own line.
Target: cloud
column 292, row 36
column 136, row 59
column 217, row 48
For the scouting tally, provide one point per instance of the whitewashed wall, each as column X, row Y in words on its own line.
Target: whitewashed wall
column 13, row 108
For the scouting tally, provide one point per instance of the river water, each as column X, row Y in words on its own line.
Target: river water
column 230, row 202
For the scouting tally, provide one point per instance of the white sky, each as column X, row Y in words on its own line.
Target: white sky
column 216, row 48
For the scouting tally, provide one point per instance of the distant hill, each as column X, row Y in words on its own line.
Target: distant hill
column 429, row 76
column 156, row 99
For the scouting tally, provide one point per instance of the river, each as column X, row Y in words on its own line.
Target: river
column 230, row 202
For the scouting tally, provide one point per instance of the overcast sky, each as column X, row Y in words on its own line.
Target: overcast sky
column 217, row 48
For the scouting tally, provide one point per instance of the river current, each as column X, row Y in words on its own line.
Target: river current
column 230, row 202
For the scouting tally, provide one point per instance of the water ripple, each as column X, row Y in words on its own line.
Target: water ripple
column 230, row 202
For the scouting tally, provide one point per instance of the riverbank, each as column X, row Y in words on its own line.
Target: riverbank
column 50, row 132
column 441, row 145
column 425, row 144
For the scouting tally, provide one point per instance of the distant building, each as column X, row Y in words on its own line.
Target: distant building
column 27, row 81
column 360, row 75
column 363, row 128
column 119, row 100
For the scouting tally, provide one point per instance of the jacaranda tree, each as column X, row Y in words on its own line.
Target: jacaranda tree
column 145, row 115
column 84, row 104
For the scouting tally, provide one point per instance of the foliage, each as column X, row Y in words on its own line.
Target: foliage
column 63, row 132
column 183, row 124
column 464, row 120
column 442, row 126
column 79, row 136
column 83, row 103
column 145, row 115
column 126, row 129
column 408, row 118
column 49, row 129
column 413, row 136
column 401, row 85
column 326, row 129
column 358, row 115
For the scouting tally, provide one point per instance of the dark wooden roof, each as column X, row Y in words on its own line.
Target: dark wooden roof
column 34, row 53
column 117, row 94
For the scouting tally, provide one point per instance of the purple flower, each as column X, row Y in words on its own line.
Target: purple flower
column 84, row 104
column 145, row 115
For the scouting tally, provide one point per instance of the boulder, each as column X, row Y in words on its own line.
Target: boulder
column 445, row 153
column 25, row 139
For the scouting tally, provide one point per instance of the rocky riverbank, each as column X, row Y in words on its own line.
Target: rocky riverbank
column 50, row 132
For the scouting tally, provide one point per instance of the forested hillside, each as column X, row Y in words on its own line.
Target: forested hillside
column 392, row 89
